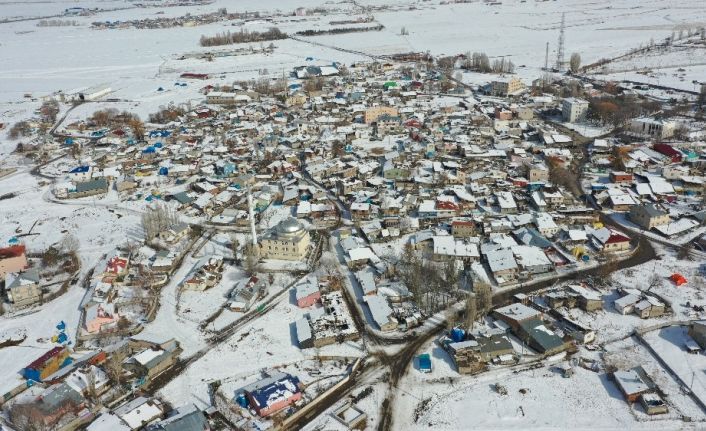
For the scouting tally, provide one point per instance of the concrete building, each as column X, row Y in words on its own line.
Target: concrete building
column 287, row 241
column 652, row 128
column 648, row 216
column 574, row 110
column 506, row 87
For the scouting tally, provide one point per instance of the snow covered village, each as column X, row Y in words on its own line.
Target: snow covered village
column 364, row 214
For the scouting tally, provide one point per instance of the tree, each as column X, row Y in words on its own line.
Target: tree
column 49, row 111
column 250, row 264
column 484, row 296
column 50, row 257
column 69, row 244
column 21, row 129
column 27, row 417
column 575, row 62
column 137, row 127
column 114, row 366
column 156, row 219
column 91, row 393
column 471, row 311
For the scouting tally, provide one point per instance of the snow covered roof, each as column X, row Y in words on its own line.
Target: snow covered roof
column 630, row 382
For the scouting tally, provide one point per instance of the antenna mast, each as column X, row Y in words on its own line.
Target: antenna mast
column 560, row 49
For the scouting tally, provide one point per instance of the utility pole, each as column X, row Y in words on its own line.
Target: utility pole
column 560, row 48
column 545, row 75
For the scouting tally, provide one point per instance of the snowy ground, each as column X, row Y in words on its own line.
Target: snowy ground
column 267, row 342
column 536, row 398
column 98, row 230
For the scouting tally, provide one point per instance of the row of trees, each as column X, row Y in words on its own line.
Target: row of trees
column 167, row 114
column 478, row 304
column 432, row 285
column 157, row 219
column 111, row 117
column 340, row 30
column 243, row 36
column 618, row 110
column 480, row 62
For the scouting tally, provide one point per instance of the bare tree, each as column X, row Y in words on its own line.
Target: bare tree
column 250, row 264
column 471, row 311
column 114, row 366
column 91, row 393
column 575, row 62
column 158, row 218
column 27, row 417
column 69, row 244
column 484, row 296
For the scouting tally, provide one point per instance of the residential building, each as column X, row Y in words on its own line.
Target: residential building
column 273, row 393
column 506, row 87
column 648, row 216
column 23, row 288
column 574, row 110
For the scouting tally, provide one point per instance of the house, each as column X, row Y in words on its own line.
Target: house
column 243, row 297
column 47, row 364
column 53, row 404
column 289, row 240
column 116, row 267
column 93, row 187
column 619, row 177
column 626, row 304
column 574, row 110
column 98, row 317
column 674, row 155
column 648, row 216
column 493, row 345
column 139, row 412
column 588, row 300
column 175, row 233
column 307, row 292
column 273, row 393
column 381, row 312
column 12, row 259
column 540, row 338
column 332, row 323
column 23, row 288
column 502, row 265
column 538, row 172
column 630, row 384
column 463, row 228
column 366, row 279
column 153, row 360
column 184, row 418
column 611, row 241
column 515, row 314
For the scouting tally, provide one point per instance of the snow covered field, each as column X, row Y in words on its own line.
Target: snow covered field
column 135, row 63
